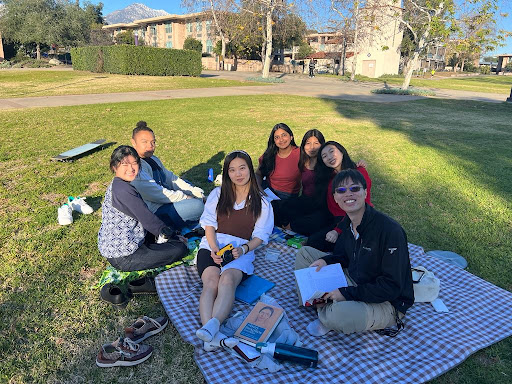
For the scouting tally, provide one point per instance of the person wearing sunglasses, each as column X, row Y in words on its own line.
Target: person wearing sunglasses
column 333, row 158
column 372, row 249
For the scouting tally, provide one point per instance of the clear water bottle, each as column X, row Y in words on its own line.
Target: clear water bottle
column 285, row 352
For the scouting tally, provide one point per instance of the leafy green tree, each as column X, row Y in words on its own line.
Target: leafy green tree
column 427, row 22
column 193, row 44
column 46, row 22
column 508, row 67
column 477, row 31
column 125, row 37
column 94, row 13
column 304, row 51
column 31, row 21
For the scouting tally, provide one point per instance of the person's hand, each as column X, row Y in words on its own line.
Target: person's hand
column 362, row 163
column 237, row 252
column 216, row 258
column 319, row 264
column 335, row 295
column 331, row 236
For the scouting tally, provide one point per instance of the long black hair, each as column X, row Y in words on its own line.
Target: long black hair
column 120, row 153
column 304, row 158
column 323, row 173
column 227, row 190
column 268, row 163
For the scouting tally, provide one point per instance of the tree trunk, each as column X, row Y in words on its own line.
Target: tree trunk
column 462, row 66
column 38, row 51
column 410, row 69
column 356, row 33
column 343, row 56
column 268, row 48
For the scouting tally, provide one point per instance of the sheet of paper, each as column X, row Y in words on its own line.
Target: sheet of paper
column 327, row 279
column 270, row 196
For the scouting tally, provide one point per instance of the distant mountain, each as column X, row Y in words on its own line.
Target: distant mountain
column 133, row 12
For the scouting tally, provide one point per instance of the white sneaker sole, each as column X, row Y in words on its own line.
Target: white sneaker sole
column 123, row 363
column 65, row 221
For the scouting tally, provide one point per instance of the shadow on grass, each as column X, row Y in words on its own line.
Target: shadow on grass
column 198, row 174
column 470, row 143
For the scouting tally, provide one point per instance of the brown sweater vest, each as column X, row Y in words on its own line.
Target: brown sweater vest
column 239, row 223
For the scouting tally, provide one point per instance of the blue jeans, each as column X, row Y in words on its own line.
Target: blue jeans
column 181, row 213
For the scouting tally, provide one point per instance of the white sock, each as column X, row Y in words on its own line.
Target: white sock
column 208, row 330
column 220, row 340
column 316, row 328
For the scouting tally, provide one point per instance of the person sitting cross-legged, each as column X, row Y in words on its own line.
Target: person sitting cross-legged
column 128, row 228
column 372, row 249
column 172, row 199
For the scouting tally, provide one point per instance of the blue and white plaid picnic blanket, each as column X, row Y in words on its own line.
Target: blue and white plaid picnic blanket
column 431, row 343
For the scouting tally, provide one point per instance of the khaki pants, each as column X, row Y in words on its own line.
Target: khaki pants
column 348, row 316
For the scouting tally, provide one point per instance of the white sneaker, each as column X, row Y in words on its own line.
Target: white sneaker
column 78, row 204
column 65, row 214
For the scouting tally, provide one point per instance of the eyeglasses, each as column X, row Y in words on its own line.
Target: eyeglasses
column 342, row 190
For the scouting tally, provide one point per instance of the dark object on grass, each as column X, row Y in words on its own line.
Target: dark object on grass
column 142, row 286
column 116, row 295
column 74, row 153
column 509, row 99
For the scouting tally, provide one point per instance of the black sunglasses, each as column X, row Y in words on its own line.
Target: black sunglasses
column 342, row 190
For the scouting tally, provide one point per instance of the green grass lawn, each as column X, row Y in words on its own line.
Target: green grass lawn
column 26, row 83
column 442, row 168
column 488, row 84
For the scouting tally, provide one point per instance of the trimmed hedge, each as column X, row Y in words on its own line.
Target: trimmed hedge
column 87, row 59
column 137, row 60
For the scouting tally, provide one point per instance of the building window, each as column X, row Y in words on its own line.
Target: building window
column 209, row 46
column 168, row 28
column 189, row 28
column 168, row 44
column 208, row 27
column 199, row 29
column 153, row 30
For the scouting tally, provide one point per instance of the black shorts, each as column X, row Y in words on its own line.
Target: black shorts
column 204, row 260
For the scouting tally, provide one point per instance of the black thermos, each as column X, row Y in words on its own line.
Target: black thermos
column 285, row 352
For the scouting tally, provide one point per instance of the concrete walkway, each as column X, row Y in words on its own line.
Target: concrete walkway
column 300, row 85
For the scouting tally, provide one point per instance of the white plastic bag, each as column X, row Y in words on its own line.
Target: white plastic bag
column 426, row 285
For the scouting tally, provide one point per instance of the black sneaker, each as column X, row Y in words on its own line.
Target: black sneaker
column 123, row 353
column 115, row 295
column 143, row 286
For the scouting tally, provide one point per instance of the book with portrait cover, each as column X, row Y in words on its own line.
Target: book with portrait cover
column 259, row 324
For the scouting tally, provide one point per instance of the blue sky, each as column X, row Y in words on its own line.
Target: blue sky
column 173, row 6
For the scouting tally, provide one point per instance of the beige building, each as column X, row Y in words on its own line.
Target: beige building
column 503, row 60
column 170, row 31
column 378, row 44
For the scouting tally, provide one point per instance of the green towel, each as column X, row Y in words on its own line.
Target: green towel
column 112, row 275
